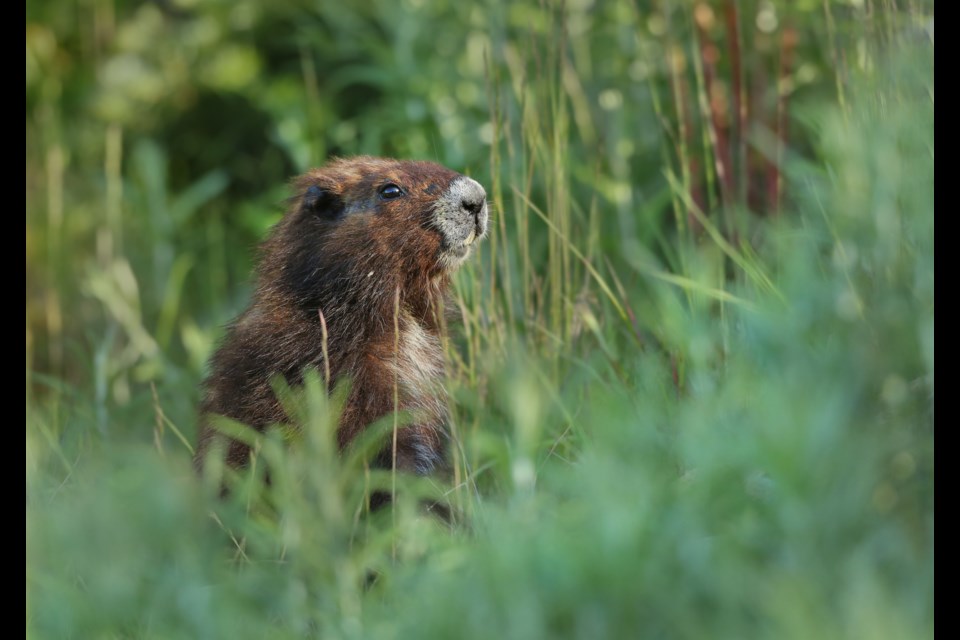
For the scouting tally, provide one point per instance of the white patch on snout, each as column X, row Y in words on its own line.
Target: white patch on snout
column 459, row 226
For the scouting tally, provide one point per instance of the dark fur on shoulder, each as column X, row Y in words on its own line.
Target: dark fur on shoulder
column 358, row 231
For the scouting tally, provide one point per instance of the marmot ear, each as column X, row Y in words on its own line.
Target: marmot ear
column 321, row 203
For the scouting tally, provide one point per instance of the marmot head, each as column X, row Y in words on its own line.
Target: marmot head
column 383, row 221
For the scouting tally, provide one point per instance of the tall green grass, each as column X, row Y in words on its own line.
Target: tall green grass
column 692, row 367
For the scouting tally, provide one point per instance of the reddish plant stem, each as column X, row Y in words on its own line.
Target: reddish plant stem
column 788, row 45
column 722, row 152
column 738, row 135
column 756, row 162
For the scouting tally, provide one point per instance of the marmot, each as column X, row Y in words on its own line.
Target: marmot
column 362, row 234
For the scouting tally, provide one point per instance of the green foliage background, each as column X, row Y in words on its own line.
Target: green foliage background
column 693, row 376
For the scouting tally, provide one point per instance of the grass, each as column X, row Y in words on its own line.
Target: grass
column 692, row 368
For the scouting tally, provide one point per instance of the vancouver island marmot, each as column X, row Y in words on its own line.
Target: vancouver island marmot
column 359, row 231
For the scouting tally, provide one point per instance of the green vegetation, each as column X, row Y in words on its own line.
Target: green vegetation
column 693, row 375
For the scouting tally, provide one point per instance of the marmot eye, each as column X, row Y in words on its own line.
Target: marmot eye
column 390, row 191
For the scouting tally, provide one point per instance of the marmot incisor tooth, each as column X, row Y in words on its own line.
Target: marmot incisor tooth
column 359, row 230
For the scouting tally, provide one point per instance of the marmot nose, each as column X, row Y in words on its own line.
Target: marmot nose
column 473, row 198
column 473, row 206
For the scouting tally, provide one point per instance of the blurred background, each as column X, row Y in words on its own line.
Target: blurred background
column 692, row 365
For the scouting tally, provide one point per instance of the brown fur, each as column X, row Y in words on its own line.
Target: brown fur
column 343, row 250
